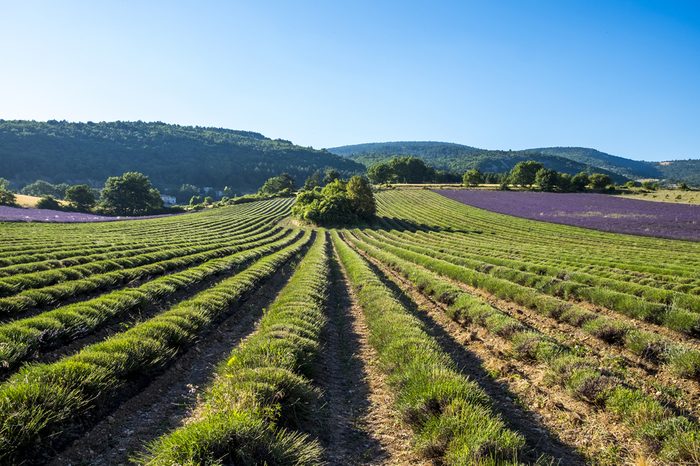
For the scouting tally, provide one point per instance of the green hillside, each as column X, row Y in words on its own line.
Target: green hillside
column 681, row 170
column 59, row 151
column 459, row 158
column 623, row 166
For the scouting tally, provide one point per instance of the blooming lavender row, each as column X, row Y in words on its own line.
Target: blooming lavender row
column 596, row 211
column 15, row 214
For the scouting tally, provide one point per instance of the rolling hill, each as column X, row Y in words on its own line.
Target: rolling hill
column 59, row 151
column 459, row 158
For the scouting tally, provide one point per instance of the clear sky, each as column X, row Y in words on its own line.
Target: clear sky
column 620, row 76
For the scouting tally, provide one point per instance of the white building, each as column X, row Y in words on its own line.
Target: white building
column 168, row 200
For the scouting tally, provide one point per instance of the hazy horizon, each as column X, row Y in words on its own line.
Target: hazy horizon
column 619, row 77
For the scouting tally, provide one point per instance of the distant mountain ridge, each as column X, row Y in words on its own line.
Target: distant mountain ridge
column 60, row 151
column 459, row 158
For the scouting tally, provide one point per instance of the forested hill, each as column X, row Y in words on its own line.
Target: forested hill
column 59, row 151
column 459, row 158
column 623, row 166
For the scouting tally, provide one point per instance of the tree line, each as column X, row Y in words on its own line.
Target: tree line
column 130, row 194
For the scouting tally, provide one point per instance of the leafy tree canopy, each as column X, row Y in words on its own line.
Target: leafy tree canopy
column 472, row 177
column 337, row 203
column 523, row 173
column 599, row 181
column 401, row 170
column 282, row 185
column 7, row 197
column 81, row 197
column 130, row 194
column 41, row 188
column 48, row 202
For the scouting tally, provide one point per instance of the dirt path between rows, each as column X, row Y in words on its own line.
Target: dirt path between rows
column 362, row 427
column 169, row 399
column 555, row 425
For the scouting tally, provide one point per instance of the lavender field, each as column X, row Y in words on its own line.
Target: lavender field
column 16, row 214
column 596, row 211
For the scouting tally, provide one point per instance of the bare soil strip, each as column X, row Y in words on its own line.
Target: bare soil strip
column 361, row 427
column 555, row 425
column 168, row 400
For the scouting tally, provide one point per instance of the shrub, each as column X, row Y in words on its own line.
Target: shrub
column 48, row 202
column 339, row 202
column 472, row 177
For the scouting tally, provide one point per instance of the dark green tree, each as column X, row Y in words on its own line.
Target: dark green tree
column 360, row 194
column 580, row 181
column 7, row 197
column 331, row 175
column 523, row 173
column 564, row 182
column 282, row 185
column 380, row 173
column 186, row 192
column 48, row 202
column 546, row 179
column 599, row 181
column 130, row 194
column 80, row 197
column 41, row 188
column 650, row 185
column 472, row 177
column 314, row 180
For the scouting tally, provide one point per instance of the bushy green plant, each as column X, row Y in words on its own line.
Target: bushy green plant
column 339, row 202
column 48, row 202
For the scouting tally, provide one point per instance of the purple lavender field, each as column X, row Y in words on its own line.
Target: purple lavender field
column 596, row 211
column 16, row 214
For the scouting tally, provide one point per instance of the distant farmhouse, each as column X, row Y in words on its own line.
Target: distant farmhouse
column 168, row 200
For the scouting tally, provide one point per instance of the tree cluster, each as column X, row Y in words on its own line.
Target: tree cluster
column 531, row 174
column 337, row 203
column 403, row 170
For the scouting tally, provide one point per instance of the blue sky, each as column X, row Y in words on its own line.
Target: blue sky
column 620, row 76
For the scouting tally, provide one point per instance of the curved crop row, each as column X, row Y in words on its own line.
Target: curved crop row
column 451, row 416
column 61, row 241
column 43, row 278
column 91, row 253
column 21, row 338
column 571, row 282
column 261, row 394
column 34, row 298
column 676, row 438
column 682, row 360
column 672, row 316
column 428, row 210
column 40, row 401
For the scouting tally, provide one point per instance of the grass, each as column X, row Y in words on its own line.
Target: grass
column 666, row 195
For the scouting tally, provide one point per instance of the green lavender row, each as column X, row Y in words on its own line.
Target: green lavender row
column 451, row 416
column 675, row 438
column 252, row 412
column 40, row 402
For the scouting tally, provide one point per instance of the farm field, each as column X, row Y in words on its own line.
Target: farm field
column 590, row 210
column 440, row 334
column 30, row 214
column 666, row 195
